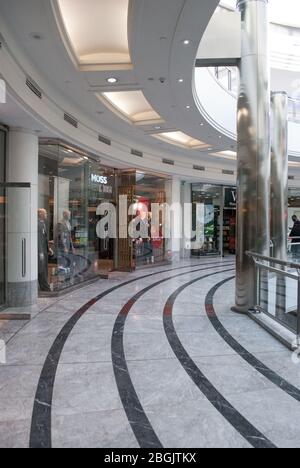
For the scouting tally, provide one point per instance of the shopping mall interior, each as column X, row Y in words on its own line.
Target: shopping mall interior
column 149, row 224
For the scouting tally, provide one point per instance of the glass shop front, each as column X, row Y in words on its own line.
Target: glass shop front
column 214, row 219
column 148, row 246
column 72, row 184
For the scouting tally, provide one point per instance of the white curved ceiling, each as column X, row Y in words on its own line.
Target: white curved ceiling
column 157, row 31
column 181, row 139
column 133, row 106
column 162, row 70
column 96, row 32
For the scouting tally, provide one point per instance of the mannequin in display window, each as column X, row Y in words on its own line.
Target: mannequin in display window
column 64, row 244
column 43, row 251
column 64, row 235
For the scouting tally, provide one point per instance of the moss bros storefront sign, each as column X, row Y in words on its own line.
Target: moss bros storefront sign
column 104, row 183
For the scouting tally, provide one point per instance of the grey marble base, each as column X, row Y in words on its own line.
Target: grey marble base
column 22, row 294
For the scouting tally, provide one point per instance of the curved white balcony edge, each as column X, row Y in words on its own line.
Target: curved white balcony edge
column 219, row 105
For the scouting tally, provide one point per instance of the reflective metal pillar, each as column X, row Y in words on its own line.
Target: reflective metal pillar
column 253, row 178
column 279, row 174
column 279, row 191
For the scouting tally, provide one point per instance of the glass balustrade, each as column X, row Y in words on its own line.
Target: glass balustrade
column 278, row 291
column 228, row 77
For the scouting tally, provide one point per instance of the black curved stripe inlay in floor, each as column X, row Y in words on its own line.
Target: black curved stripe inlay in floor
column 136, row 415
column 242, row 425
column 40, row 434
column 271, row 375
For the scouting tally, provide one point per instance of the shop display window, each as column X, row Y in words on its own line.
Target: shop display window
column 151, row 247
column 143, row 190
column 207, row 200
column 71, row 187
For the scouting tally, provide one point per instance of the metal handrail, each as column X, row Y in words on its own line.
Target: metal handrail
column 275, row 261
column 262, row 262
column 294, row 113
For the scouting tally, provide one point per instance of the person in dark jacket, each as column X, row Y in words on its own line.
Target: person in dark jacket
column 295, row 236
column 43, row 251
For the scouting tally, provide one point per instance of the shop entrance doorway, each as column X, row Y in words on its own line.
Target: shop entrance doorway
column 214, row 220
column 229, row 220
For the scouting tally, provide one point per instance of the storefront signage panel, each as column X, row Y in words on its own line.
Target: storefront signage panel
column 104, row 183
column 99, row 179
column 230, row 200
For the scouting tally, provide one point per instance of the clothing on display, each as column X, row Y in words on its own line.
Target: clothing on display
column 43, row 252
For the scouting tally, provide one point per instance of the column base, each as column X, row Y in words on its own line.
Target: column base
column 22, row 294
column 239, row 311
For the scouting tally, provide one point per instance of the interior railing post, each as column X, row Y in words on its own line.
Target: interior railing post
column 258, row 286
column 298, row 311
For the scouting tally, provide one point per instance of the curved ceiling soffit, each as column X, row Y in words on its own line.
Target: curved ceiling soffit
column 155, row 151
column 153, row 156
column 185, row 19
column 221, row 129
column 95, row 49
column 137, row 12
column 182, row 112
column 144, row 117
column 191, row 23
column 87, row 141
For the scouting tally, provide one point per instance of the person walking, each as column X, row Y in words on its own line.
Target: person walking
column 295, row 236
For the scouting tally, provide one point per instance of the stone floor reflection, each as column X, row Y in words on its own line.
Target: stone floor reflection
column 98, row 355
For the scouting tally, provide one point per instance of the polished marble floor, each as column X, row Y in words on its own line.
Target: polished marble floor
column 154, row 359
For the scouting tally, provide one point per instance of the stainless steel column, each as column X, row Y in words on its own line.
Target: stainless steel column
column 253, row 178
column 279, row 191
column 279, row 174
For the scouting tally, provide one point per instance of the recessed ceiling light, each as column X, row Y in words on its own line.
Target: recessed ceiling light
column 220, row 136
column 181, row 139
column 131, row 105
column 112, row 80
column 202, row 124
column 187, row 107
column 180, row 80
column 97, row 36
column 186, row 42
